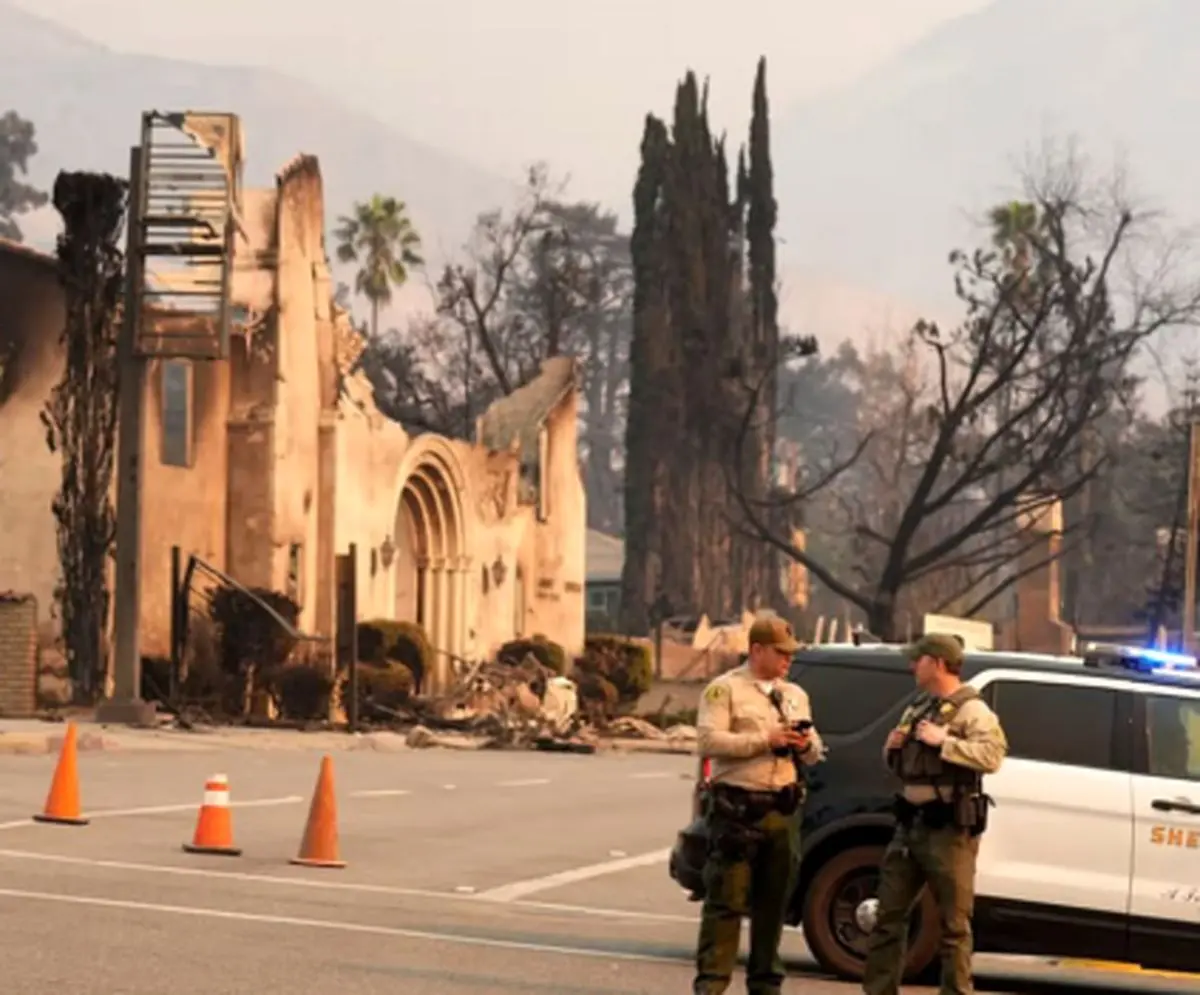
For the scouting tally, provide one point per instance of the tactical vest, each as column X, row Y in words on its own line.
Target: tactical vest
column 917, row 764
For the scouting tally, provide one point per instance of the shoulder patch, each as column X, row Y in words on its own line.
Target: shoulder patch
column 715, row 692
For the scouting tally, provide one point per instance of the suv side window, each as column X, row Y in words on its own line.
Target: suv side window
column 1057, row 723
column 846, row 699
column 1173, row 737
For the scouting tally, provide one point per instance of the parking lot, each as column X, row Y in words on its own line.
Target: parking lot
column 466, row 872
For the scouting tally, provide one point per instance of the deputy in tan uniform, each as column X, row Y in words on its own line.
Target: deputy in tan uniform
column 757, row 728
column 944, row 744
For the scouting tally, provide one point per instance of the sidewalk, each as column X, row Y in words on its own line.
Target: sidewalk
column 34, row 737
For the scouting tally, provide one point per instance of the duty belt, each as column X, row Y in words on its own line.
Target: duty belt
column 755, row 804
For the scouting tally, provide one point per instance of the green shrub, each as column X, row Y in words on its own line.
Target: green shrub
column 381, row 641
column 302, row 692
column 625, row 663
column 382, row 691
column 251, row 644
column 547, row 652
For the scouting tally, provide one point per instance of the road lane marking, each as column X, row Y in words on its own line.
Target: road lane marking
column 1124, row 967
column 330, row 885
column 192, row 806
column 519, row 889
column 527, row 782
column 381, row 793
column 343, row 927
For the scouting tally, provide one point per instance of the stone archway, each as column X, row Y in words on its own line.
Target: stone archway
column 430, row 560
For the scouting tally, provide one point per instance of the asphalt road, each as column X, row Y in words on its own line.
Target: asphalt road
column 480, row 872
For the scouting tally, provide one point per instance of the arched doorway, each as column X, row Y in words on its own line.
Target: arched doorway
column 429, row 570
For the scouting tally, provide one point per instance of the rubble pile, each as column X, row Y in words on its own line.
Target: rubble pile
column 504, row 705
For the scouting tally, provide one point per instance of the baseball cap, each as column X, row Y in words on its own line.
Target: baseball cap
column 773, row 631
column 939, row 645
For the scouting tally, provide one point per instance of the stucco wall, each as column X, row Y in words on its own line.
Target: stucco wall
column 299, row 253
column 31, row 320
column 182, row 506
column 369, row 449
column 559, row 543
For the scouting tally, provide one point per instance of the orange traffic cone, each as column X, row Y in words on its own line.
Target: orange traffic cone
column 214, row 826
column 62, row 803
column 319, row 848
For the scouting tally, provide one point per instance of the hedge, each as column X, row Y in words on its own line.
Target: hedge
column 383, row 641
column 547, row 652
column 382, row 690
column 251, row 644
column 302, row 692
column 626, row 664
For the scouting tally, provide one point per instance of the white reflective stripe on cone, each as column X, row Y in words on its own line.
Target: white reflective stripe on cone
column 220, row 799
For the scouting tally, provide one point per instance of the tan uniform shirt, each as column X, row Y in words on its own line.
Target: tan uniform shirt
column 736, row 717
column 974, row 740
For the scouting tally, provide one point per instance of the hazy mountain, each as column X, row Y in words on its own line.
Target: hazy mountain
column 86, row 102
column 875, row 181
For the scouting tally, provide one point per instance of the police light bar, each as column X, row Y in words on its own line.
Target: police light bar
column 1143, row 659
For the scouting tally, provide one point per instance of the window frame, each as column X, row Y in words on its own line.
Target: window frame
column 1121, row 742
column 1141, row 744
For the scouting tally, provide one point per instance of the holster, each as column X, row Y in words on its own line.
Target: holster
column 733, row 816
column 971, row 812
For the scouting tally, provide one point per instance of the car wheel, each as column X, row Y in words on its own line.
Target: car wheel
column 831, row 928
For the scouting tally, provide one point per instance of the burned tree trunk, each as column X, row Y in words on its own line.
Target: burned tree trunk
column 81, row 416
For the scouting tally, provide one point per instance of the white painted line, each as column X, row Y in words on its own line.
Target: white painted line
column 528, row 782
column 381, row 793
column 519, row 889
column 342, row 927
column 331, row 885
column 192, row 806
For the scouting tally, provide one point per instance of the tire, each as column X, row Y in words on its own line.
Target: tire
column 839, row 946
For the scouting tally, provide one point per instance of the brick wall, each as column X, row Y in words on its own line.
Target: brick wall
column 18, row 655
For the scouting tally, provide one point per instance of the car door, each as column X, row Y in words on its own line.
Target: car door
column 1055, row 864
column 1165, row 901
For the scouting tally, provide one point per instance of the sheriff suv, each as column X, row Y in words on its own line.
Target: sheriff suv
column 1093, row 846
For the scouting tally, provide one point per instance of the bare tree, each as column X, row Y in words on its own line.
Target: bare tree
column 1001, row 424
column 548, row 277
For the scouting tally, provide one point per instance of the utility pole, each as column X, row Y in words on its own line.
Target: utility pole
column 126, row 705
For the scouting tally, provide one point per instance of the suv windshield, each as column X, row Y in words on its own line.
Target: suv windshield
column 847, row 698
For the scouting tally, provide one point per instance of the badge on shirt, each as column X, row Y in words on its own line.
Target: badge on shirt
column 715, row 692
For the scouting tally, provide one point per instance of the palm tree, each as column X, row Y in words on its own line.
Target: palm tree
column 379, row 236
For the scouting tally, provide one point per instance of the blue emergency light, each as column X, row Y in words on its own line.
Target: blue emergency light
column 1143, row 659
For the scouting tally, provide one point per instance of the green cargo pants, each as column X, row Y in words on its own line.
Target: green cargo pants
column 943, row 859
column 757, row 882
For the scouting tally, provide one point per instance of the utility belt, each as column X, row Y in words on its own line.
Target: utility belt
column 968, row 812
column 734, row 817
column 745, row 805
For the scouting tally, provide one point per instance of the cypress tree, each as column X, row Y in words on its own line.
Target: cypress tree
column 763, row 337
column 698, row 335
column 644, row 436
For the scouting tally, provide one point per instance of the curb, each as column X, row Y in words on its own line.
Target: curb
column 32, row 744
